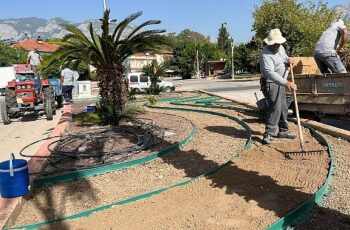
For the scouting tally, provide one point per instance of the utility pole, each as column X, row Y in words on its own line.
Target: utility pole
column 197, row 58
column 233, row 63
column 104, row 5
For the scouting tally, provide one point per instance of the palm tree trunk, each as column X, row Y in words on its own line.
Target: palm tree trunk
column 113, row 87
column 154, row 82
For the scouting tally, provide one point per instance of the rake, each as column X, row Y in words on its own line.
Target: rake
column 303, row 152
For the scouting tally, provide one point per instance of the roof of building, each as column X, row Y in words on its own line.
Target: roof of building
column 40, row 45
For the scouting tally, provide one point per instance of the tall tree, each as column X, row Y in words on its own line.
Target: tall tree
column 106, row 53
column 224, row 40
column 301, row 24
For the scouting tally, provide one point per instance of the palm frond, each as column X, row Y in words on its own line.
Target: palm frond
column 97, row 42
column 78, row 33
column 118, row 31
column 147, row 23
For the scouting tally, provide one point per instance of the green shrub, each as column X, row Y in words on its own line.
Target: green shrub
column 153, row 100
column 109, row 115
column 87, row 118
column 107, row 112
column 155, row 90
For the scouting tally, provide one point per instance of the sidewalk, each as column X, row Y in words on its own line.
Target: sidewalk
column 10, row 207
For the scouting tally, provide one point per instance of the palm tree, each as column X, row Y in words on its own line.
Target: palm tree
column 155, row 71
column 107, row 52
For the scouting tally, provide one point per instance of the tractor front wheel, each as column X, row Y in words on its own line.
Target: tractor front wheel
column 11, row 102
column 4, row 113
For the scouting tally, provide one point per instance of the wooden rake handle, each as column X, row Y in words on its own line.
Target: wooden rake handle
column 301, row 137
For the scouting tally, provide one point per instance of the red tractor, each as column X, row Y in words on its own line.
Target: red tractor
column 27, row 94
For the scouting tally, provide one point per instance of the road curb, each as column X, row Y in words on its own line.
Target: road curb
column 11, row 207
column 327, row 129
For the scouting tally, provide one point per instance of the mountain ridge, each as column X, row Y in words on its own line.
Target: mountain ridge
column 16, row 29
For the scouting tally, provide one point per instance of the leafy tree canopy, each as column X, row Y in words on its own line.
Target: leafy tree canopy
column 190, row 35
column 10, row 56
column 184, row 55
column 301, row 24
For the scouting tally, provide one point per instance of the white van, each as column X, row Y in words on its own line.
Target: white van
column 6, row 74
column 141, row 82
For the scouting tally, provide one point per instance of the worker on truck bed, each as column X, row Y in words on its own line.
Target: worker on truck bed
column 325, row 52
column 274, row 64
column 34, row 58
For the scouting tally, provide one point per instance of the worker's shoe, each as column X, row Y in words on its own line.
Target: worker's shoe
column 267, row 139
column 287, row 135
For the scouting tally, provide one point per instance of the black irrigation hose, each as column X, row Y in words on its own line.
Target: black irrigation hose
column 143, row 135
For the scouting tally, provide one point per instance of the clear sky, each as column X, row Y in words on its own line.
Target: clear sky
column 204, row 16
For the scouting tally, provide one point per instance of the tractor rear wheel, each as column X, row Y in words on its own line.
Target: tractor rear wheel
column 49, row 102
column 4, row 113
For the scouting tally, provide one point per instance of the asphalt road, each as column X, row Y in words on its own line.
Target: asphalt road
column 242, row 90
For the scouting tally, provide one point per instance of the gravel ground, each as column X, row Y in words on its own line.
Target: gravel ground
column 251, row 192
column 72, row 197
column 334, row 213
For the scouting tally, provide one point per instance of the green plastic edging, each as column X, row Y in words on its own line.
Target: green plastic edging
column 158, row 191
column 113, row 167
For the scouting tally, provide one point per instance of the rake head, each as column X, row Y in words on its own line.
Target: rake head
column 305, row 153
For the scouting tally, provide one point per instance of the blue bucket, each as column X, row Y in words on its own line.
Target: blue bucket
column 14, row 178
column 90, row 108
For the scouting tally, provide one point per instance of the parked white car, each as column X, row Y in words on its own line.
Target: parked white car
column 141, row 82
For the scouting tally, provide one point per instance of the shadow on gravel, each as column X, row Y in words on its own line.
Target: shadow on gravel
column 228, row 131
column 325, row 219
column 44, row 200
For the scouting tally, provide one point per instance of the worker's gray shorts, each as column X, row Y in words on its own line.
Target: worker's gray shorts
column 329, row 63
column 277, row 111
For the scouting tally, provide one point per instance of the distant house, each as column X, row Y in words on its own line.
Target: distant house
column 136, row 62
column 214, row 68
column 43, row 47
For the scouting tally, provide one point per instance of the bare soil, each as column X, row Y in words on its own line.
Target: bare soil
column 250, row 192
